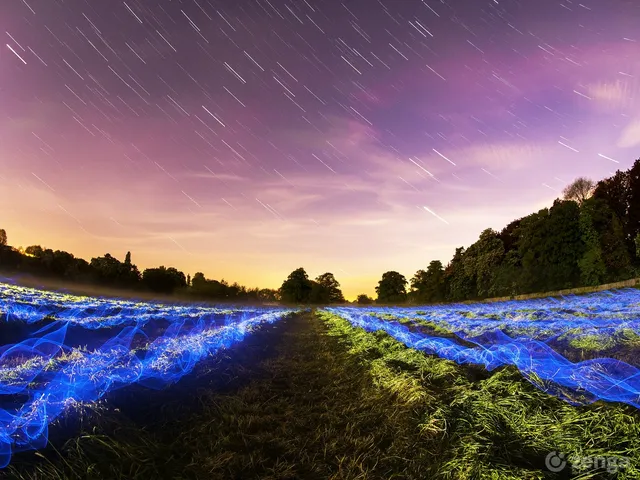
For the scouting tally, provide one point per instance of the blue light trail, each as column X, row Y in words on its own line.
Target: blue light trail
column 79, row 348
column 532, row 324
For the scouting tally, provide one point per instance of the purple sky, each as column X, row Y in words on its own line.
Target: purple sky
column 246, row 138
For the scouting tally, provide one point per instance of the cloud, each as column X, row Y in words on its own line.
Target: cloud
column 225, row 177
column 612, row 95
column 630, row 136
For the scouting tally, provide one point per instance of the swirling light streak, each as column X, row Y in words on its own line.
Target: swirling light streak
column 577, row 383
column 47, row 373
column 603, row 314
column 31, row 305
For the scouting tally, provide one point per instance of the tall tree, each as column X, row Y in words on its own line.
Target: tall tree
column 615, row 254
column 531, row 246
column 579, row 190
column 592, row 267
column 510, row 234
column 633, row 212
column 392, row 288
column 326, row 289
column 297, row 287
column 110, row 271
column 550, row 246
column 3, row 237
column 198, row 280
column 508, row 275
column 268, row 295
column 615, row 191
column 459, row 285
column 428, row 286
column 484, row 258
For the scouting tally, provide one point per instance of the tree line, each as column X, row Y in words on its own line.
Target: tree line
column 108, row 271
column 589, row 237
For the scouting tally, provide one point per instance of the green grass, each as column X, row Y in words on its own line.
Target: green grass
column 314, row 398
column 594, row 343
column 500, row 426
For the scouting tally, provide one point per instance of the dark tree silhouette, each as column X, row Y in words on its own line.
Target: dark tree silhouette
column 579, row 190
column 364, row 299
column 392, row 288
column 268, row 295
column 297, row 287
column 428, row 286
column 34, row 250
column 460, row 285
column 326, row 289
column 3, row 237
column 163, row 280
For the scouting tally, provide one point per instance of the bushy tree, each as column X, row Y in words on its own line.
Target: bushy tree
column 34, row 250
column 579, row 190
column 3, row 237
column 616, row 259
column 268, row 295
column 507, row 277
column 592, row 267
column 326, row 289
column 483, row 260
column 428, row 286
column 364, row 299
column 615, row 191
column 109, row 270
column 460, row 285
column 163, row 280
column 392, row 288
column 633, row 211
column 297, row 287
column 550, row 246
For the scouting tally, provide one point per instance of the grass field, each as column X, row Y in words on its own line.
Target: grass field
column 313, row 397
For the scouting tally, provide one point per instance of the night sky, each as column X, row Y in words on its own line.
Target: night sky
column 247, row 138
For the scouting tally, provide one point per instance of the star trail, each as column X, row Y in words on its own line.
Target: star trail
column 247, row 138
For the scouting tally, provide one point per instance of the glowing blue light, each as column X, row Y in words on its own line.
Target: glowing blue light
column 487, row 326
column 86, row 347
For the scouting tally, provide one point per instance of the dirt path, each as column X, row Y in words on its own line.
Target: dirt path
column 315, row 415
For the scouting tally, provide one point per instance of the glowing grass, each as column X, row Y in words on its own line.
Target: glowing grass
column 557, row 340
column 150, row 344
column 605, row 313
column 334, row 401
column 496, row 427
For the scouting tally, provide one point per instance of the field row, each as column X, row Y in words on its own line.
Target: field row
column 73, row 350
column 63, row 351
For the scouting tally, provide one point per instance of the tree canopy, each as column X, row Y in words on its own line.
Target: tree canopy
column 298, row 288
column 392, row 288
column 579, row 190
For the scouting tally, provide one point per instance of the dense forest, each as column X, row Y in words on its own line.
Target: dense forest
column 589, row 237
